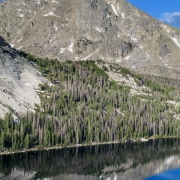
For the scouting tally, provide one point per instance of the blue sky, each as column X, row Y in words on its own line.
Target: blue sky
column 165, row 10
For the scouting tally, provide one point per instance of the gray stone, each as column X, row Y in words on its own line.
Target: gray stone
column 18, row 82
column 111, row 30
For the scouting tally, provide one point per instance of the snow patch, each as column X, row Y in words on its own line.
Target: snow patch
column 12, row 45
column 27, row 84
column 55, row 1
column 134, row 39
column 108, row 16
column 176, row 41
column 20, row 47
column 166, row 65
column 114, row 9
column 99, row 29
column 127, row 57
column 49, row 14
column 19, row 40
column 123, row 15
column 62, row 50
column 141, row 47
column 38, row 1
column 101, row 57
column 21, row 15
column 147, row 55
column 53, row 38
column 118, row 60
column 56, row 28
column 70, row 48
column 14, row 40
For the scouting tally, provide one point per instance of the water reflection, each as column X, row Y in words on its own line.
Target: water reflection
column 106, row 162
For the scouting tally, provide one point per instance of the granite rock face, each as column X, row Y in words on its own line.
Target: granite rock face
column 111, row 30
column 18, row 82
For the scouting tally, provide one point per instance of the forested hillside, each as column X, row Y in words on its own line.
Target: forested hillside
column 83, row 104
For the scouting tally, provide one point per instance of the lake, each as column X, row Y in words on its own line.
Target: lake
column 133, row 161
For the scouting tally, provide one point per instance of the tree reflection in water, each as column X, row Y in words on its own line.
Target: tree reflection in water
column 97, row 161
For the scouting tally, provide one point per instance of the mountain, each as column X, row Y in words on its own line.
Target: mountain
column 19, row 80
column 110, row 30
column 90, row 102
column 85, row 102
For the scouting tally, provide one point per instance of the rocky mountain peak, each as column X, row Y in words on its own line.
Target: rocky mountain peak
column 111, row 30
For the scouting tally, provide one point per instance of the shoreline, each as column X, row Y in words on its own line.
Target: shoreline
column 142, row 140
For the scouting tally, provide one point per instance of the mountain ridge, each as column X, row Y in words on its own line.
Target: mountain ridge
column 112, row 31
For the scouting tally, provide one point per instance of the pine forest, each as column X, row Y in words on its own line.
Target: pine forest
column 82, row 104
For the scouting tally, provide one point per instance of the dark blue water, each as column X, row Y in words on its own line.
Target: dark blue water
column 173, row 174
column 134, row 161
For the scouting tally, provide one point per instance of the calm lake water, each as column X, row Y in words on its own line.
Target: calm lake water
column 134, row 161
